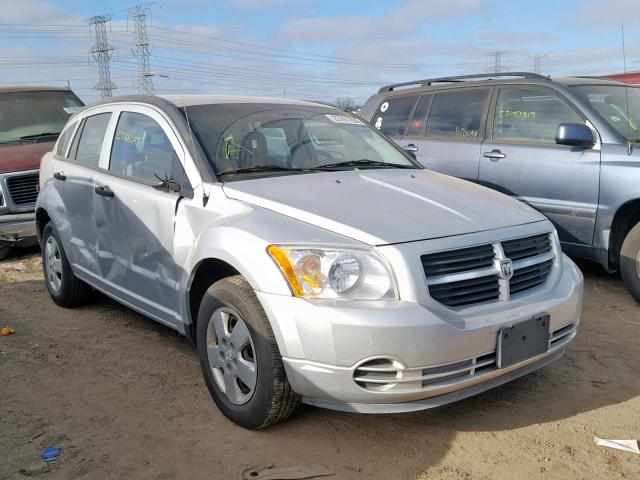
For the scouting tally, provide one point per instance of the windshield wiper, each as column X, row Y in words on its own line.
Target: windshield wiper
column 266, row 168
column 365, row 162
column 38, row 135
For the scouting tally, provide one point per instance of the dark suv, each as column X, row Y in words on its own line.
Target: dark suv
column 569, row 147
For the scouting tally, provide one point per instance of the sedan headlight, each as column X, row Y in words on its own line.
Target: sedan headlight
column 334, row 273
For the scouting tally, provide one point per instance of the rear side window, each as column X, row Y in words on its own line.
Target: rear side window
column 530, row 115
column 91, row 138
column 393, row 114
column 419, row 118
column 142, row 150
column 457, row 114
column 63, row 141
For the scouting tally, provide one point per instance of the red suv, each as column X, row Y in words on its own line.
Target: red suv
column 31, row 119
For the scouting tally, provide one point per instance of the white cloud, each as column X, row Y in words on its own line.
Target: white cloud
column 265, row 4
column 607, row 13
column 401, row 20
column 33, row 11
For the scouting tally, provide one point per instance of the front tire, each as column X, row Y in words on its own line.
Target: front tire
column 64, row 287
column 240, row 359
column 630, row 262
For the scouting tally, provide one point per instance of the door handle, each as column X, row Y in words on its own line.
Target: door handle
column 59, row 176
column 105, row 191
column 494, row 154
column 410, row 148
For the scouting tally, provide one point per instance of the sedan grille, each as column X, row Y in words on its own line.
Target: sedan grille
column 23, row 188
column 472, row 275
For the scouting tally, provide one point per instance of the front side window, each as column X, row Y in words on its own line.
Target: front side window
column 30, row 116
column 393, row 114
column 142, row 150
column 280, row 142
column 91, row 139
column 530, row 115
column 618, row 105
column 457, row 114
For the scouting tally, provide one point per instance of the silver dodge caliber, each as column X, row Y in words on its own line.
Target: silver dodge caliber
column 307, row 257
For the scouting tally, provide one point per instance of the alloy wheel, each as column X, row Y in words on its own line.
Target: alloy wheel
column 231, row 355
column 53, row 263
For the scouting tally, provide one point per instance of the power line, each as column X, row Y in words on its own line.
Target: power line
column 102, row 53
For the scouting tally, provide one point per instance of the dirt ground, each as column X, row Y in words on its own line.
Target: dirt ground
column 124, row 398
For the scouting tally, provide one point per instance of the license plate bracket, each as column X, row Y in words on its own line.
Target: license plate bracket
column 523, row 340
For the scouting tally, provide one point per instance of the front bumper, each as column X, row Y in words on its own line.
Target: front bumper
column 324, row 346
column 18, row 229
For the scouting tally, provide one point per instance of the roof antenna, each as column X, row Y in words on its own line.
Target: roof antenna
column 626, row 94
column 205, row 195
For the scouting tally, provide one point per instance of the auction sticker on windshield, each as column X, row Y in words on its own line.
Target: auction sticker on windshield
column 345, row 119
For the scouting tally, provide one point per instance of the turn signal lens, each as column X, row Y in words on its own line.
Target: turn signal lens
column 289, row 272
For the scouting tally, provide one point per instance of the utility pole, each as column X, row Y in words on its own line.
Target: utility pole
column 141, row 48
column 497, row 56
column 537, row 61
column 102, row 53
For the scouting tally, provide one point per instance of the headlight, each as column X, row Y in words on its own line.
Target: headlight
column 334, row 273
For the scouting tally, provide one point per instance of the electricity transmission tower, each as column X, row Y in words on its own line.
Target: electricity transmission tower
column 537, row 61
column 497, row 63
column 102, row 53
column 141, row 49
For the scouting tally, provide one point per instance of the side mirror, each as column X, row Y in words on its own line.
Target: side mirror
column 575, row 135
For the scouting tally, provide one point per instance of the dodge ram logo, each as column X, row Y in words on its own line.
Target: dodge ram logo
column 506, row 269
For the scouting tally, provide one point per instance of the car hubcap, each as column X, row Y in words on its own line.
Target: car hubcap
column 231, row 355
column 53, row 263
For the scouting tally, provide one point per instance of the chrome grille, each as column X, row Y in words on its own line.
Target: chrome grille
column 472, row 275
column 454, row 261
column 526, row 247
column 530, row 277
column 23, row 188
column 465, row 292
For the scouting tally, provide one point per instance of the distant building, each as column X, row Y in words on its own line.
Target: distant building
column 632, row 78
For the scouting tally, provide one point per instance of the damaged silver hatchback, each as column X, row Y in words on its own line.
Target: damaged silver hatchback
column 307, row 257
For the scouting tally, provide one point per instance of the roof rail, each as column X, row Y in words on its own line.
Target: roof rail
column 458, row 78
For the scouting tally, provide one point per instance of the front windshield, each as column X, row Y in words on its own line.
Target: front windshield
column 32, row 115
column 618, row 105
column 288, row 141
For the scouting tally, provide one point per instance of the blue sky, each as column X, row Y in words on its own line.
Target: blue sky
column 315, row 49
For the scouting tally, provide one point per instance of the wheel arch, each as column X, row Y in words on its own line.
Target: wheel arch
column 42, row 218
column 205, row 273
column 625, row 218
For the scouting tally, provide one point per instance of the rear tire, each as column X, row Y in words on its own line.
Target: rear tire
column 4, row 251
column 64, row 287
column 630, row 262
column 260, row 395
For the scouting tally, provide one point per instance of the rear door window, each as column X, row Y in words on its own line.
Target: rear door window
column 91, row 139
column 419, row 118
column 458, row 114
column 393, row 115
column 532, row 115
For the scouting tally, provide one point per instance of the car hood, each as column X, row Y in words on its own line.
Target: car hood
column 380, row 207
column 25, row 156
